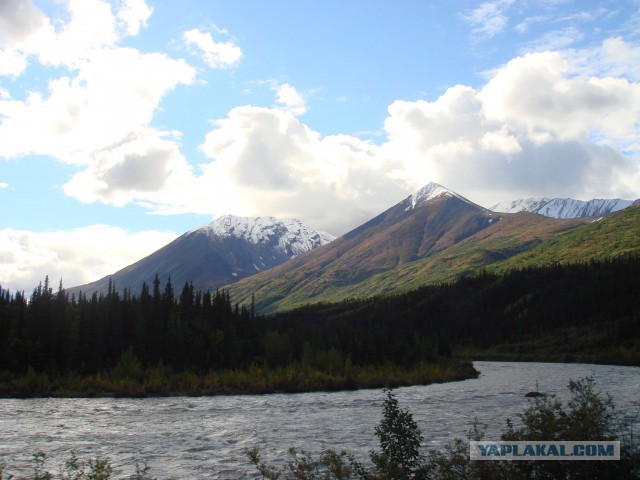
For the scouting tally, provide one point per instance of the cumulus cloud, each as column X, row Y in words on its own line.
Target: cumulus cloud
column 545, row 123
column 290, row 99
column 3, row 185
column 76, row 256
column 19, row 19
column 540, row 126
column 539, row 94
column 105, row 92
column 26, row 32
column 133, row 15
column 215, row 54
column 267, row 160
column 95, row 108
column 143, row 164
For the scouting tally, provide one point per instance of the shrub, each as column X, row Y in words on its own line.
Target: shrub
column 588, row 416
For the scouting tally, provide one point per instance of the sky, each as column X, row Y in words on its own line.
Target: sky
column 125, row 123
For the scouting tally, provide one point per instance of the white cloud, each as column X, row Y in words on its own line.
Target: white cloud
column 615, row 58
column 140, row 166
column 101, row 94
column 489, row 18
column 539, row 126
column 290, row 99
column 538, row 94
column 555, row 40
column 268, row 162
column 114, row 94
column 3, row 185
column 76, row 256
column 133, row 15
column 215, row 54
column 501, row 141
column 19, row 19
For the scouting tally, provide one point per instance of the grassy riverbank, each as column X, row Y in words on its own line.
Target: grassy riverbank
column 295, row 378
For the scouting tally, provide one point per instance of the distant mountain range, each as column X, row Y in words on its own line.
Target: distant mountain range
column 434, row 235
column 564, row 207
column 216, row 254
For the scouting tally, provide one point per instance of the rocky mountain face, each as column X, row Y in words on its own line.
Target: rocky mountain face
column 563, row 207
column 218, row 253
column 428, row 222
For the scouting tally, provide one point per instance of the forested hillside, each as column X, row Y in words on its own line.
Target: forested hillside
column 562, row 312
column 160, row 342
column 196, row 343
column 515, row 241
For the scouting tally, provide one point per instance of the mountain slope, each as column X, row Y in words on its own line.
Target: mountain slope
column 615, row 235
column 563, row 207
column 219, row 253
column 513, row 234
column 431, row 237
column 430, row 221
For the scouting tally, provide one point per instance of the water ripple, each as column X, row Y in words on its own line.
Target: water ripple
column 207, row 438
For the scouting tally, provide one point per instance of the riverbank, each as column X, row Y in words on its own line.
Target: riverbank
column 207, row 437
column 584, row 344
column 161, row 381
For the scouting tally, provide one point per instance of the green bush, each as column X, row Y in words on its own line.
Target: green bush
column 588, row 416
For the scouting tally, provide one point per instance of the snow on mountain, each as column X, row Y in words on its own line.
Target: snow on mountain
column 290, row 237
column 563, row 207
column 430, row 191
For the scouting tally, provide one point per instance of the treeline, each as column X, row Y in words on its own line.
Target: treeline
column 160, row 342
column 562, row 312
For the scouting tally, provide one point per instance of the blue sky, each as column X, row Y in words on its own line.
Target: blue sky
column 124, row 124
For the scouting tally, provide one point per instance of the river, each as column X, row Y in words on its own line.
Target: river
column 207, row 437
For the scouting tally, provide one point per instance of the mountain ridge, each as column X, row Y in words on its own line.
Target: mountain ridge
column 218, row 253
column 564, row 207
column 423, row 224
column 433, row 235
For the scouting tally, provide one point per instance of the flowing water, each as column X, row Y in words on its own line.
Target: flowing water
column 207, row 437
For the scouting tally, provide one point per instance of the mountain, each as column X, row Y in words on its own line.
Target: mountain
column 435, row 236
column 218, row 253
column 563, row 207
column 430, row 221
column 614, row 235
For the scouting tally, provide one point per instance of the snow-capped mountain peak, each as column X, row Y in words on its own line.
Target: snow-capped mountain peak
column 430, row 191
column 289, row 236
column 563, row 207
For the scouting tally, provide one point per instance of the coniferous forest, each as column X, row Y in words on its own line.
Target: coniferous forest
column 165, row 341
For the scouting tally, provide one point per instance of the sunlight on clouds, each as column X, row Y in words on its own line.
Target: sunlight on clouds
column 142, row 164
column 133, row 15
column 274, row 163
column 545, row 123
column 290, row 99
column 538, row 94
column 96, row 108
column 215, row 54
column 501, row 141
column 77, row 256
column 19, row 19
column 538, row 127
column 108, row 92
